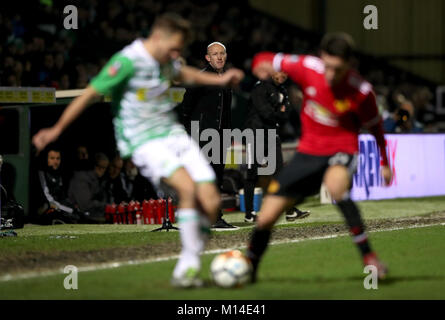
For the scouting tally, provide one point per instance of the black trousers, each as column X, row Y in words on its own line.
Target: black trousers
column 252, row 172
column 218, row 167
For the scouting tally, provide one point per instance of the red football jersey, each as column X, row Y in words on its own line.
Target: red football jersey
column 331, row 116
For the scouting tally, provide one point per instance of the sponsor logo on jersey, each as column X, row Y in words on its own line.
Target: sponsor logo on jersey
column 145, row 94
column 320, row 114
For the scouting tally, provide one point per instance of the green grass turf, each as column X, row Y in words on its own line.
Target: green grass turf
column 34, row 238
column 60, row 240
column 315, row 269
column 393, row 208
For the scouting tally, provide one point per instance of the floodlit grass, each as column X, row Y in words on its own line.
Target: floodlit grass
column 316, row 269
column 90, row 237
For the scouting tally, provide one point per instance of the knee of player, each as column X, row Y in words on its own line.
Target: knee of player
column 264, row 222
column 336, row 181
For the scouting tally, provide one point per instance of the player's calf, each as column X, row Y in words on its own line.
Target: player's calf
column 357, row 229
column 209, row 200
column 256, row 248
column 272, row 208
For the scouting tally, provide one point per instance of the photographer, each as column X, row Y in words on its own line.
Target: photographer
column 403, row 120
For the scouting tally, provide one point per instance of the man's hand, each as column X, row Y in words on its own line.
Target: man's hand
column 386, row 174
column 283, row 108
column 233, row 77
column 44, row 137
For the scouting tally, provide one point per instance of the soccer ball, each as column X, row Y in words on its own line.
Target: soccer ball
column 231, row 269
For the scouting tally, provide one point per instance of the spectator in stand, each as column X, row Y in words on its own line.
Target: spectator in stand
column 46, row 73
column 59, row 66
column 82, row 161
column 115, row 182
column 64, row 82
column 23, row 40
column 54, row 205
column 137, row 186
column 87, row 190
column 424, row 110
column 403, row 120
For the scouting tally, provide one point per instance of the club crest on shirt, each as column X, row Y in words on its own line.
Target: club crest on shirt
column 342, row 105
column 114, row 69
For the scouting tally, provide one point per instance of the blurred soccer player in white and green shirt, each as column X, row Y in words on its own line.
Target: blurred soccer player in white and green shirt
column 137, row 79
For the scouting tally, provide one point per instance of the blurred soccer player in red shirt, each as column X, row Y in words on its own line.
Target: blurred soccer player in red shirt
column 337, row 104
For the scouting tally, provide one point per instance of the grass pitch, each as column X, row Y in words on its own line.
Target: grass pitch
column 311, row 269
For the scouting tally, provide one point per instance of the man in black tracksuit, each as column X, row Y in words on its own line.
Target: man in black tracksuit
column 210, row 106
column 269, row 108
column 54, row 207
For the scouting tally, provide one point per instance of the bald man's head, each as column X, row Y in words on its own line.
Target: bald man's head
column 216, row 56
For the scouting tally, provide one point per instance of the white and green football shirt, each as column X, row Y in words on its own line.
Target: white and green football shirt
column 138, row 86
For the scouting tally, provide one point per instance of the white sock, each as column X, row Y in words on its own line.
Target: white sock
column 189, row 225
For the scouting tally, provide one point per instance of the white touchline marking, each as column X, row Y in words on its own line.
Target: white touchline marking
column 113, row 265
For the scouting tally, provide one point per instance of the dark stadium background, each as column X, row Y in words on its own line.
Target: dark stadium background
column 405, row 55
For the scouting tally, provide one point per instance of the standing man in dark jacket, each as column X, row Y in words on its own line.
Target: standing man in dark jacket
column 210, row 106
column 269, row 109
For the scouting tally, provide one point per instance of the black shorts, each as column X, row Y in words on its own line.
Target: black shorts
column 303, row 175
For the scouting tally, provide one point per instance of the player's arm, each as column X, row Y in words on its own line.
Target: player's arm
column 372, row 121
column 193, row 76
column 116, row 72
column 265, row 64
column 72, row 112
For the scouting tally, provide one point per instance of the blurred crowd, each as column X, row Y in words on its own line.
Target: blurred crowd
column 36, row 50
column 77, row 190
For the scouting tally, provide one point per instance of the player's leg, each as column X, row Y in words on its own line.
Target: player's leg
column 300, row 178
column 209, row 200
column 338, row 178
column 189, row 220
column 158, row 159
column 209, row 204
column 272, row 208
column 207, row 194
